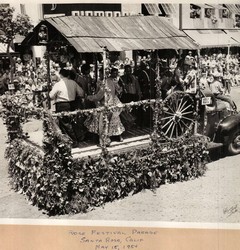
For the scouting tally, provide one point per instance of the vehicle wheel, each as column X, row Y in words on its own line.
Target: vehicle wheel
column 234, row 145
column 178, row 115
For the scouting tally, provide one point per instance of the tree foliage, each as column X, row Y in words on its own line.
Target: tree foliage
column 10, row 26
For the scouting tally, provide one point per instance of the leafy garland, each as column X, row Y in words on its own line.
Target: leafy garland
column 117, row 108
column 57, row 183
column 17, row 111
column 60, row 185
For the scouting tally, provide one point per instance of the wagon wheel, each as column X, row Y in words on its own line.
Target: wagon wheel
column 178, row 115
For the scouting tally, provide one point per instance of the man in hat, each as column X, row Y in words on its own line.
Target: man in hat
column 218, row 90
column 188, row 62
column 85, row 81
column 190, row 79
column 18, row 64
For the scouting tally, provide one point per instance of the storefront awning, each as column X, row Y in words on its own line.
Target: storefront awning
column 213, row 38
column 234, row 8
column 153, row 9
column 169, row 8
column 204, row 6
column 234, row 34
column 91, row 34
column 217, row 7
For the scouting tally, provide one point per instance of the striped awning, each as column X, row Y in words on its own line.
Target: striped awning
column 204, row 6
column 218, row 6
column 234, row 34
column 169, row 8
column 153, row 9
column 214, row 38
column 91, row 34
column 234, row 8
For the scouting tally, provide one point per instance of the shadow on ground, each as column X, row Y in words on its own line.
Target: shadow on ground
column 217, row 153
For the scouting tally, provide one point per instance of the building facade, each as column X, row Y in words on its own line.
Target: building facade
column 217, row 18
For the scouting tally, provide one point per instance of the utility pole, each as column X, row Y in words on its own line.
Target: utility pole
column 180, row 17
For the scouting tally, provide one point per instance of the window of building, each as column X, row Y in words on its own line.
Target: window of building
column 195, row 11
column 224, row 13
column 209, row 12
column 237, row 20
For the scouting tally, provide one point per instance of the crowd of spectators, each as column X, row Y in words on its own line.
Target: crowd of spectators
column 29, row 78
column 136, row 81
column 25, row 79
column 226, row 66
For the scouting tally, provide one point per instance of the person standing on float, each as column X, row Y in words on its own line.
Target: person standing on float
column 85, row 81
column 64, row 93
column 95, row 124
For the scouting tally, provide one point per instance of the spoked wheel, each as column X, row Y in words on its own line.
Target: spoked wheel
column 178, row 115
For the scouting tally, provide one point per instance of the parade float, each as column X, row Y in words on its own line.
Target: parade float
column 59, row 180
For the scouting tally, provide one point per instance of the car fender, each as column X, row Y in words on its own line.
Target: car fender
column 226, row 127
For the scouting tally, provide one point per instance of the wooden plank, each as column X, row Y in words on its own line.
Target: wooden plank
column 103, row 42
column 77, row 29
column 128, row 26
column 92, row 44
column 107, row 28
column 93, row 24
column 116, row 23
column 77, row 44
column 161, row 25
column 117, row 44
column 62, row 27
column 114, row 149
column 87, row 44
column 157, row 25
column 53, row 22
column 125, row 142
column 148, row 29
column 167, row 26
column 82, row 23
column 119, row 33
column 91, row 28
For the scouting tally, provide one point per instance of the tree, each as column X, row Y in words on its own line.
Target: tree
column 9, row 27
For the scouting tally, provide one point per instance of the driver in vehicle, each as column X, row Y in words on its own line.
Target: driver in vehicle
column 218, row 90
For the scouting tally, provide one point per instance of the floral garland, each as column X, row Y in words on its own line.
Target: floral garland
column 17, row 111
column 119, row 107
column 57, row 183
column 25, row 164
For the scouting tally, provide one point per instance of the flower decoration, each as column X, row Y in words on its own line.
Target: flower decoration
column 58, row 184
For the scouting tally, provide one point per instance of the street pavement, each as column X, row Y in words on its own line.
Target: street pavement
column 215, row 197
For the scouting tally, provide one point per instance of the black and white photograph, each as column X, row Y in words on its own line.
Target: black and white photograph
column 120, row 111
